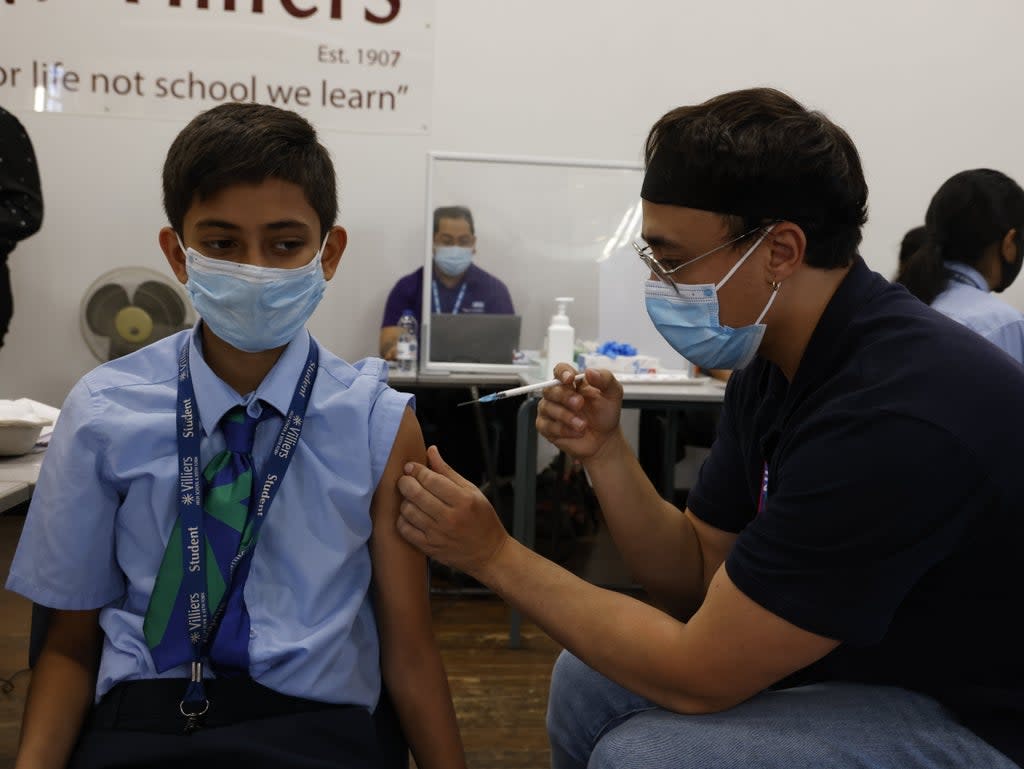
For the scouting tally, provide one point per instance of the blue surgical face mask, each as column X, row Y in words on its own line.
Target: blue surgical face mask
column 689, row 321
column 253, row 308
column 453, row 260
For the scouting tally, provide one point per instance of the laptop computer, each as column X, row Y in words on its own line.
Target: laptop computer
column 474, row 337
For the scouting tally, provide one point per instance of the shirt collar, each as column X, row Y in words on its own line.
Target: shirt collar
column 969, row 273
column 215, row 397
column 828, row 341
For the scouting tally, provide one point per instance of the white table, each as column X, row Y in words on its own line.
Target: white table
column 671, row 398
column 18, row 478
column 400, row 379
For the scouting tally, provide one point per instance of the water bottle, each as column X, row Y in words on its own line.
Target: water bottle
column 408, row 341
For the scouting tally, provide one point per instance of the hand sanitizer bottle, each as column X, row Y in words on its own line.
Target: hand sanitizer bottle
column 408, row 340
column 561, row 336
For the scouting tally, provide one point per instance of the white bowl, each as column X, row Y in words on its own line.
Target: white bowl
column 17, row 438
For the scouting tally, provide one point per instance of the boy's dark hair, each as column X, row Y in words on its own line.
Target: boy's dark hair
column 972, row 211
column 757, row 156
column 453, row 212
column 247, row 144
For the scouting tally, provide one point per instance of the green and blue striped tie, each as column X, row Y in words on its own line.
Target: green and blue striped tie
column 227, row 526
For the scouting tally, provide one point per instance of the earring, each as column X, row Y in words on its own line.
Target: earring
column 775, row 284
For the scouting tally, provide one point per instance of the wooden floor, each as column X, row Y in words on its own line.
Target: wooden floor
column 15, row 612
column 500, row 693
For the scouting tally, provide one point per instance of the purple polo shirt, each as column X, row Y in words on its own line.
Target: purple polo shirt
column 484, row 294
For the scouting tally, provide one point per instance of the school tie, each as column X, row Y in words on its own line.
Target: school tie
column 228, row 488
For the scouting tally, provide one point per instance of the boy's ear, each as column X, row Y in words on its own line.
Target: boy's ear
column 337, row 239
column 172, row 251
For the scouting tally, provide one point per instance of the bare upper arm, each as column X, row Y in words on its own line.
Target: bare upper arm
column 399, row 569
column 714, row 544
column 75, row 634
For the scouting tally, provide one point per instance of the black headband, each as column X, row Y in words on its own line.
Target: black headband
column 667, row 181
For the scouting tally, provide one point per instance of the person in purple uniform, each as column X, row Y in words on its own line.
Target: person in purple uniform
column 458, row 284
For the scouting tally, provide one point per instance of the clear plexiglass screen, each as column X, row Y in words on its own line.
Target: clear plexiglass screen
column 542, row 230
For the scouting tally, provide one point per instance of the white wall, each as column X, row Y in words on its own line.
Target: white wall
column 926, row 88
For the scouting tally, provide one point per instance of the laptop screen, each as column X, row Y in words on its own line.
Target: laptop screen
column 474, row 337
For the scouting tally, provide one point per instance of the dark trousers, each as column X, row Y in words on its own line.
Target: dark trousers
column 138, row 724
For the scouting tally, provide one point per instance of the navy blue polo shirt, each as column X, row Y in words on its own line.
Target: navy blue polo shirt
column 484, row 294
column 894, row 518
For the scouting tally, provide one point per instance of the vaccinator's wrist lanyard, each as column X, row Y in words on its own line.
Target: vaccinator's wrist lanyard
column 200, row 624
column 458, row 299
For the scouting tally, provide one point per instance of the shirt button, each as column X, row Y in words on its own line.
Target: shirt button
column 252, row 633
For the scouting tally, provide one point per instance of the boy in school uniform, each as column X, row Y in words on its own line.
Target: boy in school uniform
column 215, row 520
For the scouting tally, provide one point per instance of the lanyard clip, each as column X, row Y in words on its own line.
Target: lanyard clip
column 195, row 704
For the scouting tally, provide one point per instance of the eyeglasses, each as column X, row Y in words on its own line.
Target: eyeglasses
column 646, row 255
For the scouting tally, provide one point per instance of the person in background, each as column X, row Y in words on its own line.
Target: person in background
column 820, row 602
column 911, row 243
column 215, row 520
column 973, row 246
column 459, row 286
column 21, row 203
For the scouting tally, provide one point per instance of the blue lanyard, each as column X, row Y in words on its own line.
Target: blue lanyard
column 201, row 625
column 458, row 299
column 963, row 279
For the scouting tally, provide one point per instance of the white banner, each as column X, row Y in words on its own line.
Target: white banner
column 347, row 65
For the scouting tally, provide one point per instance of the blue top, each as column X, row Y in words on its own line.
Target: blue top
column 968, row 300
column 484, row 294
column 892, row 518
column 104, row 509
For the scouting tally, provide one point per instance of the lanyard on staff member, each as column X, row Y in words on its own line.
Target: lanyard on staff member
column 762, row 498
column 458, row 299
column 202, row 624
column 965, row 280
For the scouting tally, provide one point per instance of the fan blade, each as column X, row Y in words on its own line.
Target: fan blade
column 162, row 302
column 160, row 330
column 118, row 347
column 104, row 306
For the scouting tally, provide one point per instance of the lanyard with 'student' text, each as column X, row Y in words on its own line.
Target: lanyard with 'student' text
column 201, row 623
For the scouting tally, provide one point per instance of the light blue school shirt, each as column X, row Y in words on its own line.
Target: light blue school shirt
column 105, row 504
column 968, row 300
